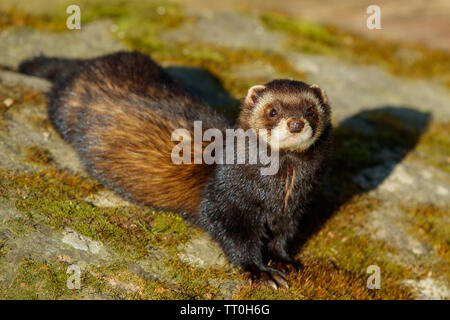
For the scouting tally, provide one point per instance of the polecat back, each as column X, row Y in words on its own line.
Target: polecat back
column 118, row 112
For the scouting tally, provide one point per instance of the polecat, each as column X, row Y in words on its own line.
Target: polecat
column 119, row 112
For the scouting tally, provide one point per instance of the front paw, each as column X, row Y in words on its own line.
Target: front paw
column 286, row 267
column 269, row 277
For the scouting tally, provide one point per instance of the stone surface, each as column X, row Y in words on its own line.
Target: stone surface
column 388, row 225
column 107, row 199
column 79, row 242
column 406, row 181
column 429, row 289
column 354, row 88
column 94, row 39
column 21, row 131
column 351, row 88
column 203, row 252
column 421, row 21
column 230, row 29
column 13, row 78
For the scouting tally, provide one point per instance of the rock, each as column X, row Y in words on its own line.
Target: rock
column 388, row 225
column 12, row 78
column 429, row 289
column 406, row 181
column 92, row 40
column 442, row 191
column 47, row 245
column 22, row 131
column 372, row 177
column 411, row 181
column 352, row 88
column 80, row 242
column 145, row 270
column 7, row 213
column 107, row 199
column 203, row 252
column 229, row 29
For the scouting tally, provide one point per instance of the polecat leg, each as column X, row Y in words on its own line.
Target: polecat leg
column 280, row 259
column 244, row 248
column 251, row 261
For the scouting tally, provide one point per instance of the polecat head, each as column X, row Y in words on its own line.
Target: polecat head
column 291, row 111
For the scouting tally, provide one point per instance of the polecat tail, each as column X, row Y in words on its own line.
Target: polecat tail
column 49, row 67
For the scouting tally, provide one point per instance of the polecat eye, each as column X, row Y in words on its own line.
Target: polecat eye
column 310, row 112
column 272, row 113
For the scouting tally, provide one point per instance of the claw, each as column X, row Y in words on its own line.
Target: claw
column 280, row 281
column 286, row 267
column 272, row 284
column 272, row 278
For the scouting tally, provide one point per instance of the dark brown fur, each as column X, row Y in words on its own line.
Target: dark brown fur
column 119, row 111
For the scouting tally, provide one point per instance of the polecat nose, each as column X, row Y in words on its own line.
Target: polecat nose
column 295, row 126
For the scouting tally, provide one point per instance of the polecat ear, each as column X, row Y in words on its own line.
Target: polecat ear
column 252, row 94
column 319, row 93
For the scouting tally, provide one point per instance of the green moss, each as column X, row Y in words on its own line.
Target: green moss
column 434, row 146
column 60, row 197
column 34, row 280
column 319, row 279
column 309, row 31
column 181, row 281
column 130, row 231
column 116, row 282
column 138, row 18
column 335, row 261
column 50, row 183
column 337, row 237
column 38, row 280
column 314, row 38
column 429, row 223
column 391, row 132
column 11, row 17
column 196, row 283
column 351, row 144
